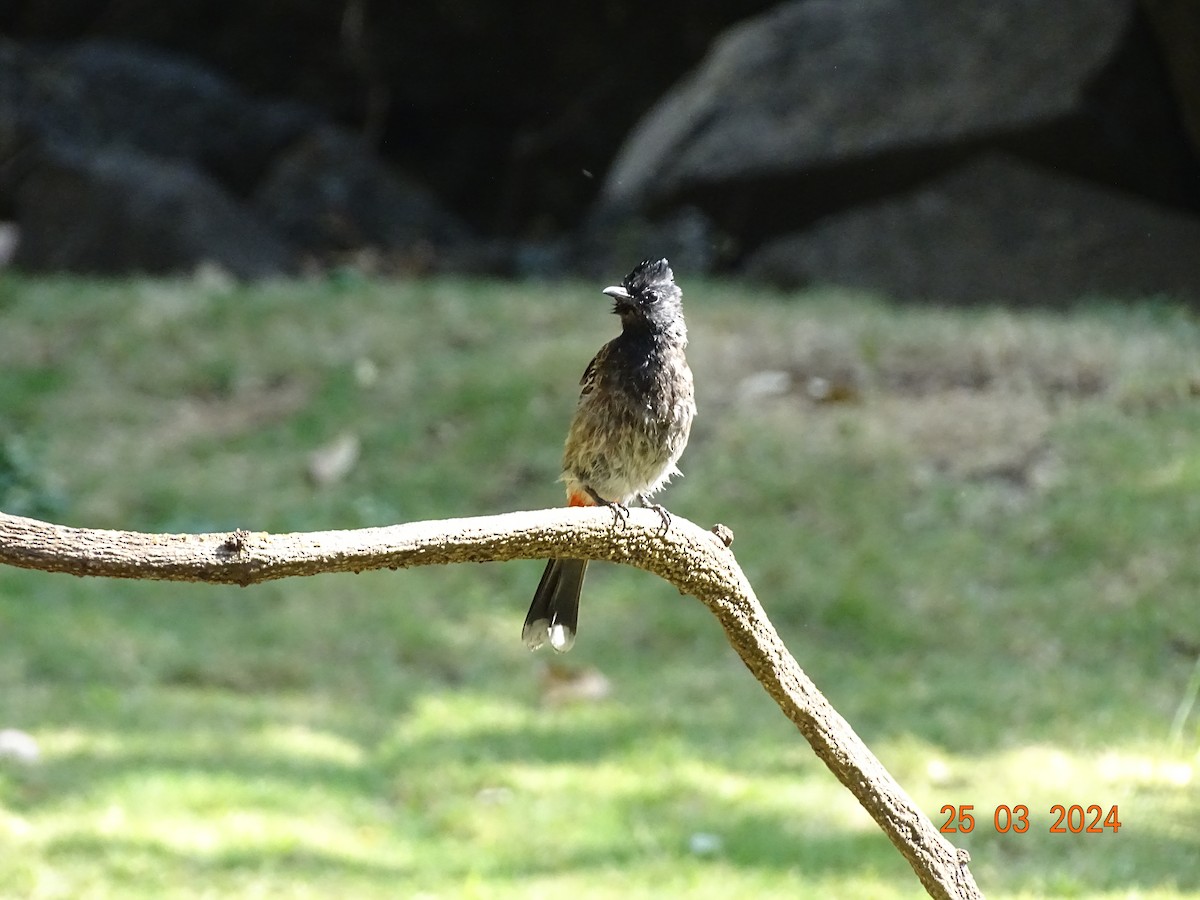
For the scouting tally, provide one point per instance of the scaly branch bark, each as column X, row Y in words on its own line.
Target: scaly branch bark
column 695, row 561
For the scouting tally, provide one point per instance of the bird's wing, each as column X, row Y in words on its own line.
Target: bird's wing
column 588, row 381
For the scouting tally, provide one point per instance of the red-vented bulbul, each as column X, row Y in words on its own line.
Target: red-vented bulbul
column 632, row 422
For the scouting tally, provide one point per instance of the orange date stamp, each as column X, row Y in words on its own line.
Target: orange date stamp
column 1073, row 819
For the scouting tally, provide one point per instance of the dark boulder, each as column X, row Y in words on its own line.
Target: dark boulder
column 108, row 150
column 113, row 212
column 104, row 94
column 507, row 116
column 497, row 108
column 329, row 194
column 996, row 230
column 1176, row 27
column 818, row 105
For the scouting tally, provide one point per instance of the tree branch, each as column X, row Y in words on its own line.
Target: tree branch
column 695, row 561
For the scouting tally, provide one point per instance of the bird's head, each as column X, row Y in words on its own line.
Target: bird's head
column 648, row 298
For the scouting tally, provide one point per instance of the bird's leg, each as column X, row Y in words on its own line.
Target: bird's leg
column 645, row 500
column 619, row 510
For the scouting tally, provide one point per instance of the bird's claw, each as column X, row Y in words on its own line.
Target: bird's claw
column 658, row 508
column 619, row 510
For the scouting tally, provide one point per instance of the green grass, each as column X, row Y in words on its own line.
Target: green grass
column 984, row 551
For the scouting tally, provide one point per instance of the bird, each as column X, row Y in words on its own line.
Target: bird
column 631, row 425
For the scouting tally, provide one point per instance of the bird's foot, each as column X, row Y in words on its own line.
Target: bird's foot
column 619, row 510
column 645, row 500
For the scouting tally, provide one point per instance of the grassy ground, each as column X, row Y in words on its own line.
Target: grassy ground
column 977, row 531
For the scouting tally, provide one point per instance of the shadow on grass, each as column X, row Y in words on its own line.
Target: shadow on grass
column 129, row 860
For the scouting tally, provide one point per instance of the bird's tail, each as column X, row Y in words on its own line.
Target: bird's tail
column 554, row 613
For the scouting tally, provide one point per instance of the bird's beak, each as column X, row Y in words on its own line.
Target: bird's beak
column 617, row 292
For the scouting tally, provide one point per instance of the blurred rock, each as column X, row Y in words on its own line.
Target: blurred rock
column 612, row 239
column 112, row 212
column 814, row 82
column 995, row 229
column 608, row 243
column 705, row 843
column 117, row 158
column 331, row 463
column 818, row 105
column 329, row 193
column 496, row 108
column 10, row 236
column 766, row 383
column 1176, row 26
column 19, row 746
column 115, row 94
column 561, row 685
column 416, row 140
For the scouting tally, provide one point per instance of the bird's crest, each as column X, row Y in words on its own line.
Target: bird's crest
column 648, row 273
